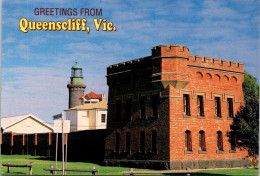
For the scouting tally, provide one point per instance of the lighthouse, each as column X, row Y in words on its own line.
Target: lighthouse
column 76, row 86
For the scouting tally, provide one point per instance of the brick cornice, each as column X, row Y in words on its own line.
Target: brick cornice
column 215, row 69
column 170, row 57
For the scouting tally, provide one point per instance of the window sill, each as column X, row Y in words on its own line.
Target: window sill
column 188, row 152
column 230, row 118
column 127, row 152
column 142, row 117
column 186, row 116
column 153, row 117
column 218, row 118
column 202, row 152
column 220, row 151
column 201, row 117
column 232, row 151
column 154, row 153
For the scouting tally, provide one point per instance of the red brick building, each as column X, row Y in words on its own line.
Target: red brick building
column 173, row 110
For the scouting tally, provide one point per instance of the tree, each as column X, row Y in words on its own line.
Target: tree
column 246, row 122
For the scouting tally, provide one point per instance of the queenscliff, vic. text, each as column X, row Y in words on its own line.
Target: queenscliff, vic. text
column 69, row 25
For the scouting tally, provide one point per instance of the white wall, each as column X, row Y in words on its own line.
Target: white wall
column 28, row 126
column 72, row 116
column 99, row 124
column 86, row 119
column 82, row 120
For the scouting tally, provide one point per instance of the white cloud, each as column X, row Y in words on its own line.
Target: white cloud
column 9, row 40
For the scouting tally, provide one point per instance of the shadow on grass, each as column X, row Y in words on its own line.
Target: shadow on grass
column 15, row 173
column 197, row 174
column 41, row 158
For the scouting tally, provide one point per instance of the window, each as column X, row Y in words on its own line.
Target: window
column 188, row 143
column 128, row 107
column 154, row 142
column 200, row 105
column 186, row 103
column 117, row 142
column 220, row 141
column 103, row 118
column 202, row 141
column 127, row 142
column 155, row 105
column 142, row 142
column 118, row 109
column 232, row 141
column 217, row 107
column 142, row 103
column 230, row 107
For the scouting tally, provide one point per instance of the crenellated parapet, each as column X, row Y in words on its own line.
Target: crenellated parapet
column 172, row 64
column 170, row 51
column 219, row 64
column 126, row 66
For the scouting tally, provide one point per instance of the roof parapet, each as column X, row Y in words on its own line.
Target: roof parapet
column 213, row 62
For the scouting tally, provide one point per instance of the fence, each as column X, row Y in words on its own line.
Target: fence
column 82, row 146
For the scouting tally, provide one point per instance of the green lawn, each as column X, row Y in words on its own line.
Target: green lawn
column 41, row 162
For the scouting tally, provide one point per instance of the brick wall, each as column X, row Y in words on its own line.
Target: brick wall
column 171, row 72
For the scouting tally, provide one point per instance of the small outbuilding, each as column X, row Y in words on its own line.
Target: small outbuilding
column 24, row 124
column 91, row 116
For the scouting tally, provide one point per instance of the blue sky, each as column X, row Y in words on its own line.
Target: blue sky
column 36, row 65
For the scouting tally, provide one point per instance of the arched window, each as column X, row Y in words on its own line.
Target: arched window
column 202, row 140
column 188, row 142
column 220, row 141
column 117, row 142
column 127, row 142
column 154, row 142
column 142, row 142
column 232, row 141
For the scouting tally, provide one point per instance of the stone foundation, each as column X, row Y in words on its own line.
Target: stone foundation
column 206, row 164
column 179, row 165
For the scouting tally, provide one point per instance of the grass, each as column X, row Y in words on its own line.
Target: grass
column 41, row 162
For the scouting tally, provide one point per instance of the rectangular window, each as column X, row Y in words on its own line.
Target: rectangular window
column 103, row 118
column 154, row 142
column 127, row 142
column 142, row 103
column 117, row 142
column 200, row 105
column 217, row 107
column 142, row 142
column 188, row 142
column 202, row 141
column 118, row 109
column 155, row 105
column 220, row 140
column 128, row 107
column 232, row 141
column 230, row 107
column 186, row 103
